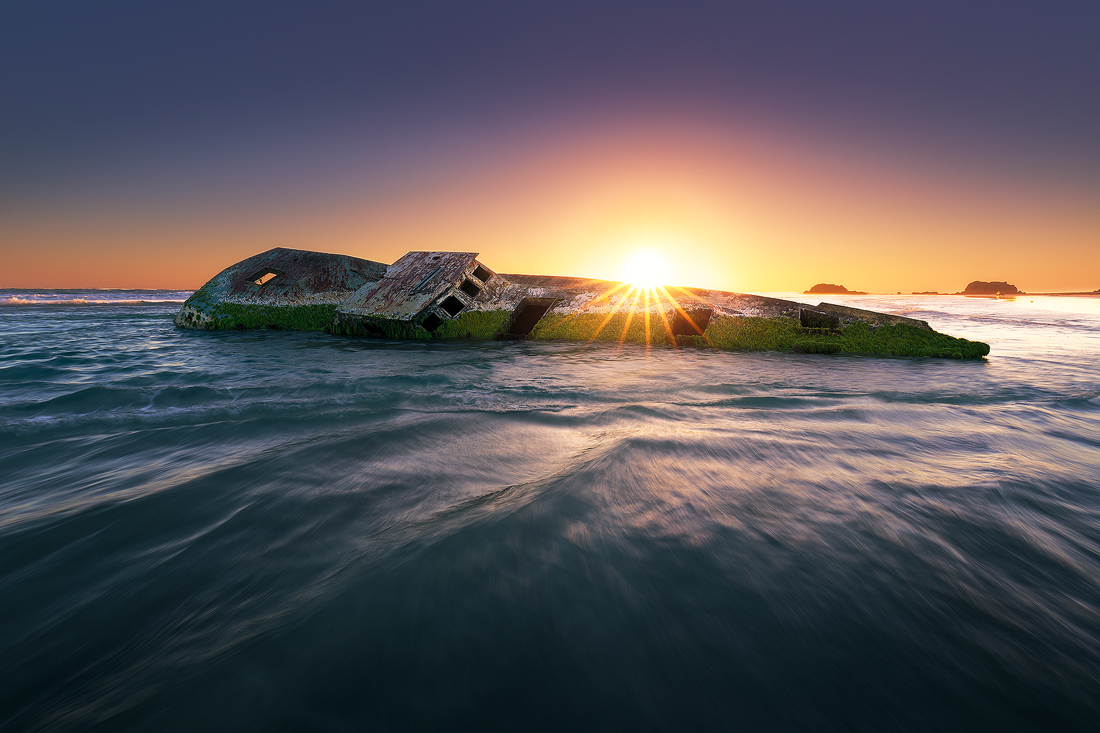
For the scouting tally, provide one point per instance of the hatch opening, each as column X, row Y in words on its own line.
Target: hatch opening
column 452, row 306
column 691, row 322
column 432, row 322
column 529, row 312
column 470, row 288
column 264, row 276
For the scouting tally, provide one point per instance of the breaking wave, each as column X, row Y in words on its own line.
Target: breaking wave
column 13, row 298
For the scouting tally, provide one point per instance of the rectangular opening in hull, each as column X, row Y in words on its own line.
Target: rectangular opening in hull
column 482, row 274
column 691, row 323
column 432, row 322
column 264, row 276
column 452, row 305
column 529, row 312
column 470, row 288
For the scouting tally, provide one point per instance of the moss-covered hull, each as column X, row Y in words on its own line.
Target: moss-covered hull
column 761, row 334
column 448, row 296
column 281, row 288
column 223, row 316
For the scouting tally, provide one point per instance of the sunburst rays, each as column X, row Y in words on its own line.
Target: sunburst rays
column 680, row 310
column 649, row 299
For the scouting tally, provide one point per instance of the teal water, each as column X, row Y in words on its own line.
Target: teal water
column 279, row 531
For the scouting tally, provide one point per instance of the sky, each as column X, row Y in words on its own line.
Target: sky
column 754, row 146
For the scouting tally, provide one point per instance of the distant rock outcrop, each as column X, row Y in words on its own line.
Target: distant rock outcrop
column 980, row 287
column 830, row 289
column 927, row 292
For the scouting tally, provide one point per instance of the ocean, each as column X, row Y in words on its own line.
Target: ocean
column 276, row 531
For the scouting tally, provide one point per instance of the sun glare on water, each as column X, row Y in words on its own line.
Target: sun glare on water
column 646, row 268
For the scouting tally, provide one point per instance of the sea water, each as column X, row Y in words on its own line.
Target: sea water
column 262, row 531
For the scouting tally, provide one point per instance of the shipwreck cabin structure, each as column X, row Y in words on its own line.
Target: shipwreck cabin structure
column 452, row 295
column 419, row 293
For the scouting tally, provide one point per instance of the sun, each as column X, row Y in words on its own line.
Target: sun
column 645, row 268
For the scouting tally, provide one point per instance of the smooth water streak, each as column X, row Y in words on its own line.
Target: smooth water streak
column 267, row 530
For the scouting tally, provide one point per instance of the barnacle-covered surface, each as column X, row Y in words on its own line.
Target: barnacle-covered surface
column 279, row 288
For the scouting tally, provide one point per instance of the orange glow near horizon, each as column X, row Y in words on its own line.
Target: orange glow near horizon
column 654, row 297
column 647, row 268
column 747, row 211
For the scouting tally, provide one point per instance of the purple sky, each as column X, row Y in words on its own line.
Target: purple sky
column 165, row 106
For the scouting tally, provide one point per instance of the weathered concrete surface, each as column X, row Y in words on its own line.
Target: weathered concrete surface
column 418, row 294
column 575, row 295
column 847, row 314
column 277, row 288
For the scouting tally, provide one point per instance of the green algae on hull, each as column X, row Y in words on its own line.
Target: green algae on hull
column 763, row 334
column 733, row 334
column 376, row 328
column 903, row 340
column 481, row 325
column 625, row 327
column 757, row 334
column 281, row 288
column 754, row 334
column 484, row 325
column 443, row 296
column 225, row 316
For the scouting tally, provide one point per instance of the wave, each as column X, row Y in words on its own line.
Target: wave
column 200, row 527
column 17, row 297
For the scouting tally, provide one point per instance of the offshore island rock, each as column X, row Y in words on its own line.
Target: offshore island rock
column 830, row 289
column 980, row 287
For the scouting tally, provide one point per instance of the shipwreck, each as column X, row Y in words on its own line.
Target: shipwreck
column 453, row 295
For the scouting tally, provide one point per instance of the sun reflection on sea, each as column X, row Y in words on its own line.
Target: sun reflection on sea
column 1060, row 303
